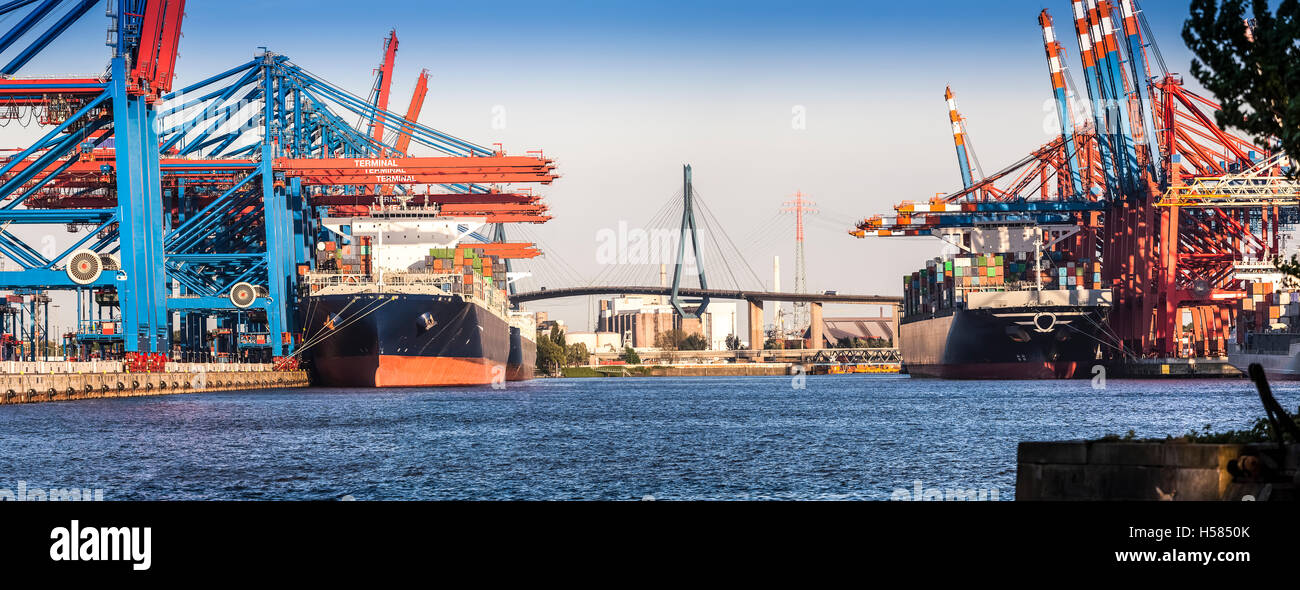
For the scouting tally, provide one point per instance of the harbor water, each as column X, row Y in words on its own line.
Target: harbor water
column 839, row 437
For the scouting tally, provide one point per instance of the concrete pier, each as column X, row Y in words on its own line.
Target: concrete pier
column 28, row 382
column 815, row 325
column 1120, row 470
column 756, row 339
column 1172, row 367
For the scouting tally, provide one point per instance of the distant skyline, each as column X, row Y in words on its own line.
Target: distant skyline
column 621, row 94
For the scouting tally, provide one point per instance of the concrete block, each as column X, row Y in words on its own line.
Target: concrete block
column 1204, row 456
column 1197, row 484
column 1121, row 453
column 1127, row 482
column 1062, row 482
column 1065, row 452
column 1028, row 482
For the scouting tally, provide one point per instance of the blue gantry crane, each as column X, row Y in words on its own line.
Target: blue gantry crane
column 204, row 201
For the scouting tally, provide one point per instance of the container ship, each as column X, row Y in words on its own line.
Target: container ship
column 1267, row 320
column 1011, row 315
column 405, row 303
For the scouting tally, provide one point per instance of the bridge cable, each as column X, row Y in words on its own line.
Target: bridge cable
column 617, row 273
column 709, row 213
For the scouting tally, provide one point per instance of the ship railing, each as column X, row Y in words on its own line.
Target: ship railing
column 219, row 367
column 327, row 278
column 419, row 278
column 449, row 282
column 1270, row 342
column 117, row 366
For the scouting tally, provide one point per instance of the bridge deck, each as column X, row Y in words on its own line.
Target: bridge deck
column 711, row 293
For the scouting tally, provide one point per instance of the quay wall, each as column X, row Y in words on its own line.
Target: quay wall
column 30, row 382
column 1174, row 470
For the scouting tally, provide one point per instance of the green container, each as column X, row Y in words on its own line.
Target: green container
column 992, row 273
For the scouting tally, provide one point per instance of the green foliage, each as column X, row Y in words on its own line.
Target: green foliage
column 577, row 354
column 550, row 356
column 733, row 342
column 1261, row 431
column 847, row 342
column 694, row 342
column 581, row 372
column 676, row 339
column 630, row 356
column 1290, row 268
column 620, row 371
column 668, row 340
column 1252, row 68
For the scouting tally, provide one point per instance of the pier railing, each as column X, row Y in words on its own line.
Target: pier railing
column 791, row 355
column 87, row 367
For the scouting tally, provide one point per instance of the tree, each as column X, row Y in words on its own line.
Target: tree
column 577, row 354
column 669, row 339
column 694, row 342
column 630, row 356
column 733, row 342
column 550, row 356
column 1251, row 64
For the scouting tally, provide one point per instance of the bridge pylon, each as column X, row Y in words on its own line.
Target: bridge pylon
column 688, row 225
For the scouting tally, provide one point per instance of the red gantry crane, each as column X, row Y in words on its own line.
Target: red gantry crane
column 1180, row 211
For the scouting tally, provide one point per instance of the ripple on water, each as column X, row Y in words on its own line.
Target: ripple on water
column 842, row 438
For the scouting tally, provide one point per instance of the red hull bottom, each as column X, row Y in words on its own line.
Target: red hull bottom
column 518, row 373
column 408, row 371
column 1044, row 370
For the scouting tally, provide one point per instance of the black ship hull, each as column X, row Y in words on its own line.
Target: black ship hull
column 406, row 340
column 523, row 356
column 1004, row 343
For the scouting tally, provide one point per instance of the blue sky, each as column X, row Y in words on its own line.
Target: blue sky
column 621, row 94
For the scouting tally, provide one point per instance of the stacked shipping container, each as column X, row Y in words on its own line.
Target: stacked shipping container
column 469, row 270
column 943, row 284
column 347, row 259
column 1266, row 308
column 472, row 265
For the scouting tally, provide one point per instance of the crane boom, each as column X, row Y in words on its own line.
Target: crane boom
column 413, row 112
column 959, row 139
column 383, row 86
column 1056, row 66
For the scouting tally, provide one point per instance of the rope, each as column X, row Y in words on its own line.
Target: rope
column 327, row 334
column 339, row 328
